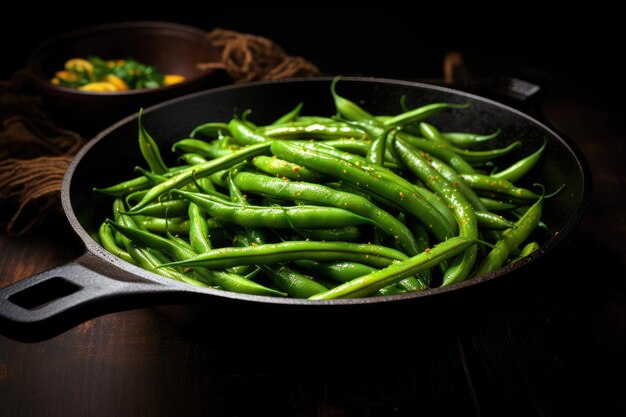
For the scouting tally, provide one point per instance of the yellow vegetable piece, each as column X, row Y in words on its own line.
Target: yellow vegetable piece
column 79, row 65
column 100, row 87
column 66, row 76
column 116, row 81
column 170, row 79
column 115, row 63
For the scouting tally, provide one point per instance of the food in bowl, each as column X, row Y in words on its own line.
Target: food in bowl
column 95, row 74
column 327, row 207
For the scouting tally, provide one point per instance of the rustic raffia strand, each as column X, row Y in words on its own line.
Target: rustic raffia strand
column 247, row 57
column 34, row 153
column 33, row 186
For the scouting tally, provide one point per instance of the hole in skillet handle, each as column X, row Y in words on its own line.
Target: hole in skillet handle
column 43, row 293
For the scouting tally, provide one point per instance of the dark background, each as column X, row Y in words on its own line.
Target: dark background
column 579, row 45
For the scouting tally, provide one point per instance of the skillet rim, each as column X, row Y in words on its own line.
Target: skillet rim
column 94, row 248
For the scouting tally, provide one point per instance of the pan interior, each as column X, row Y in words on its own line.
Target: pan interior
column 111, row 157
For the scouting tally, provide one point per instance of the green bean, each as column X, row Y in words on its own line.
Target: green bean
column 292, row 282
column 493, row 221
column 143, row 256
column 521, row 167
column 498, row 186
column 181, row 253
column 389, row 290
column 474, row 157
column 347, row 108
column 404, row 197
column 451, row 175
column 154, row 178
column 169, row 208
column 336, row 130
column 126, row 187
column 362, row 163
column 376, row 156
column 193, row 158
column 422, row 113
column 108, row 242
column 319, row 194
column 271, row 253
column 149, row 261
column 198, row 230
column 337, row 271
column 463, row 211
column 160, row 225
column 145, row 238
column 149, row 149
column 440, row 205
column 477, row 157
column 289, row 116
column 527, row 250
column 296, row 217
column 246, row 121
column 210, row 130
column 468, row 140
column 252, row 236
column 511, row 239
column 368, row 284
column 202, row 148
column 345, row 234
column 496, row 205
column 314, row 119
column 201, row 170
column 423, row 243
column 354, row 146
column 440, row 150
column 244, row 135
column 376, row 153
column 284, row 169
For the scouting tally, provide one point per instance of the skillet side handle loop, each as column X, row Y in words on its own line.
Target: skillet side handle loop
column 44, row 305
column 520, row 94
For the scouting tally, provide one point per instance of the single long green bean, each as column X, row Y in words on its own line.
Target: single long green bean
column 373, row 255
column 150, row 149
column 296, row 217
column 369, row 284
column 511, row 239
column 201, row 170
column 521, row 167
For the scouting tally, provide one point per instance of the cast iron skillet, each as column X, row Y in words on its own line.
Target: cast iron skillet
column 97, row 282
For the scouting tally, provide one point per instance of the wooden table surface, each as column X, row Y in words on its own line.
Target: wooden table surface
column 556, row 350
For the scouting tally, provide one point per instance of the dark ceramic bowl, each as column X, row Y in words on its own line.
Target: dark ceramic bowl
column 172, row 48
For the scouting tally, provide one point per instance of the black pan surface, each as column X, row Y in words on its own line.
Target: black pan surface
column 98, row 282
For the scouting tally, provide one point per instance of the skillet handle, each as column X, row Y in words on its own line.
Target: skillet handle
column 519, row 94
column 47, row 304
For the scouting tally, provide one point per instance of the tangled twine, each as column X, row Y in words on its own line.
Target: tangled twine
column 34, row 153
column 247, row 57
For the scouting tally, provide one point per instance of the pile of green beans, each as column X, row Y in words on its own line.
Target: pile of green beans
column 352, row 205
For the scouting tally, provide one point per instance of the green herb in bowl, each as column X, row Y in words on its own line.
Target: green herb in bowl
column 95, row 74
